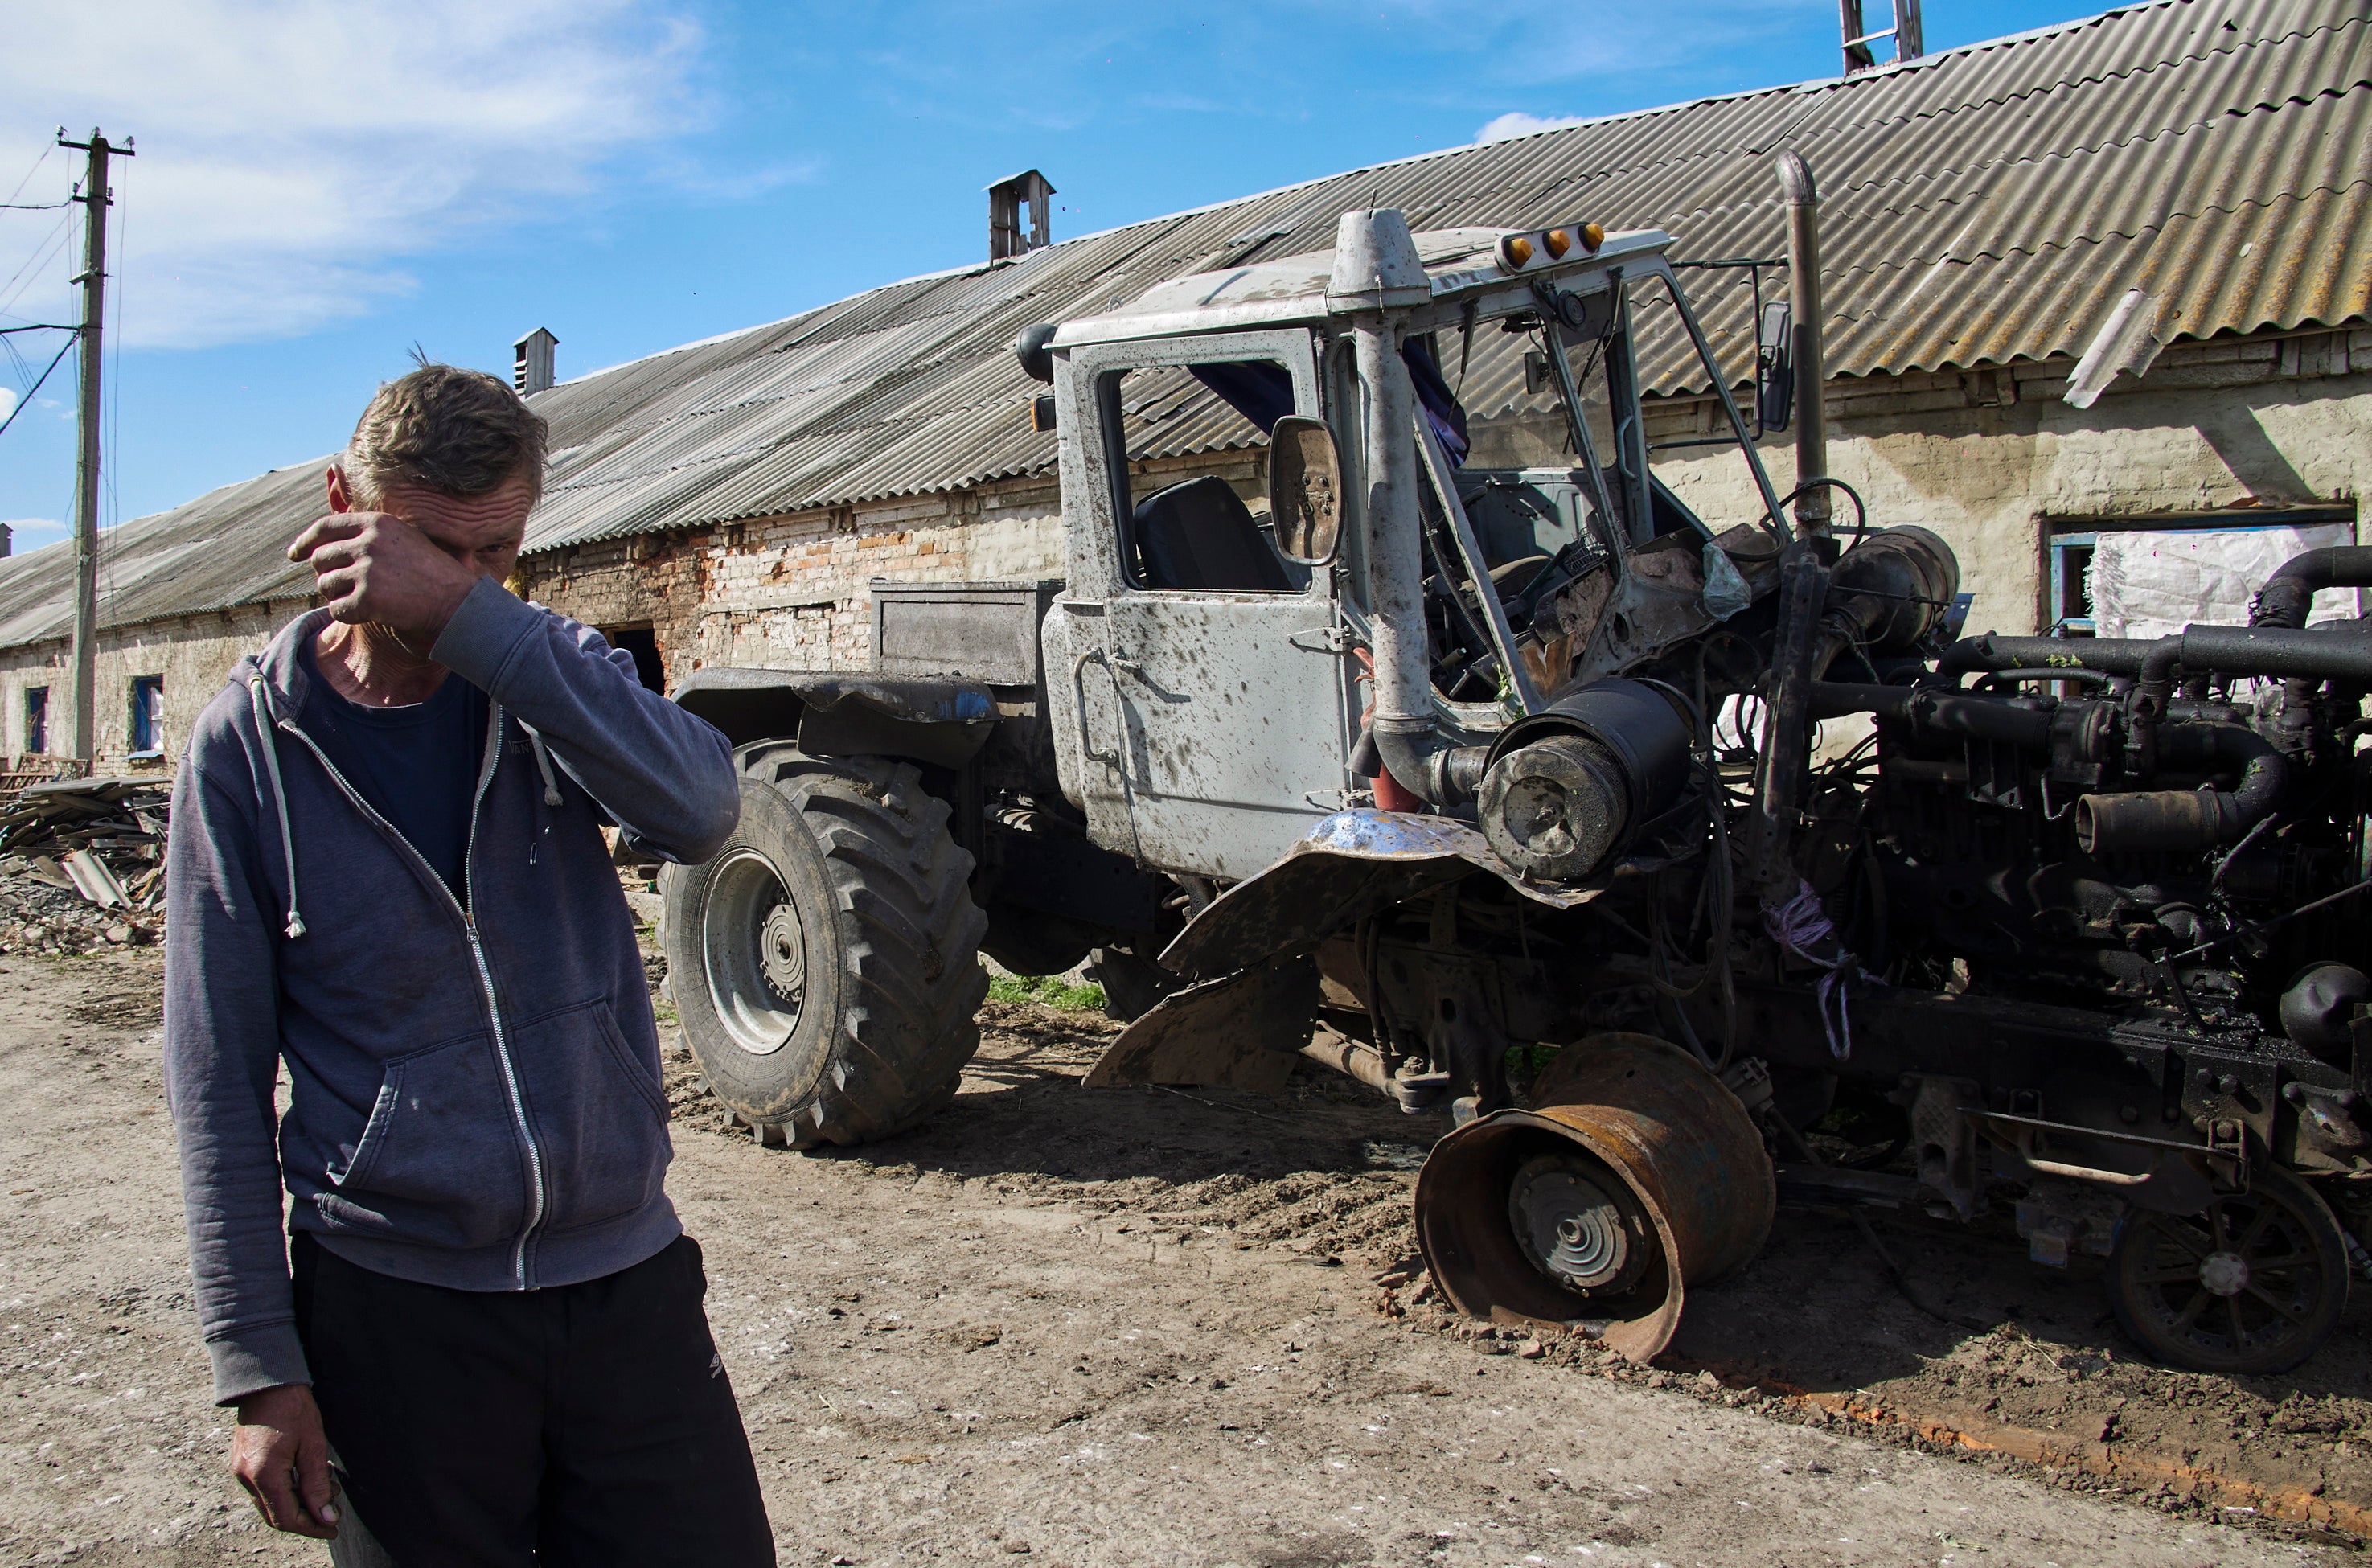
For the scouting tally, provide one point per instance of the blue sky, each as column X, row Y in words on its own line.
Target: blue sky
column 321, row 184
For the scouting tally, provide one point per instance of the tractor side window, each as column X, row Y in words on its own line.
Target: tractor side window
column 1183, row 444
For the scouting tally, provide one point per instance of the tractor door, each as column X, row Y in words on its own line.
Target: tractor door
column 1209, row 713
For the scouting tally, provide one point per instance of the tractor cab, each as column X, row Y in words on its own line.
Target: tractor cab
column 1213, row 662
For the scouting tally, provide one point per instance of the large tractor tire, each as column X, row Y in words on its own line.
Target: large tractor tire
column 824, row 964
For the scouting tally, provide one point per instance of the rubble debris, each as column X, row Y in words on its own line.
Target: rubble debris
column 93, row 880
column 82, row 864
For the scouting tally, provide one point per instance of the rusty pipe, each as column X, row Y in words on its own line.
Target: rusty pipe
column 1408, row 741
column 2286, row 601
column 2332, row 653
column 1352, row 1057
column 2186, row 821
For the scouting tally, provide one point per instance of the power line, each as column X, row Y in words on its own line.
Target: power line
column 48, row 246
column 43, row 158
column 26, row 401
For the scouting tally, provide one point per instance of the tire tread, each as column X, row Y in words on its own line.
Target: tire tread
column 901, row 885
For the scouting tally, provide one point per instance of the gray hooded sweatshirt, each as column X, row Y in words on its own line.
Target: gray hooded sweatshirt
column 474, row 1097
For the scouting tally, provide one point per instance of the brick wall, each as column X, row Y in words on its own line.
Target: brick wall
column 793, row 592
column 193, row 655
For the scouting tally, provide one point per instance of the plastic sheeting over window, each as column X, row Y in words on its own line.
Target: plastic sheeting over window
column 2152, row 583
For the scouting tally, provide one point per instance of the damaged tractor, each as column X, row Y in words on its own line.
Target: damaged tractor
column 1630, row 845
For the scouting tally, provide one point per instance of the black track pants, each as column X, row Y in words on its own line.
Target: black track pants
column 579, row 1426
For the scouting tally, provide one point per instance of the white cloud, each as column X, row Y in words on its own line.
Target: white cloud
column 292, row 153
column 8, row 404
column 1516, row 122
column 41, row 530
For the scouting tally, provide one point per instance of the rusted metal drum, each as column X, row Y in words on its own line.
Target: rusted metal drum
column 1635, row 1175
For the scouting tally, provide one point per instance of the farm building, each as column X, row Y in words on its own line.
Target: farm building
column 1984, row 212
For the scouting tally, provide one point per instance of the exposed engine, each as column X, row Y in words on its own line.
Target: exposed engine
column 2079, row 914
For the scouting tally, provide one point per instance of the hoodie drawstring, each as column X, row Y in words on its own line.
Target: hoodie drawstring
column 543, row 766
column 266, row 732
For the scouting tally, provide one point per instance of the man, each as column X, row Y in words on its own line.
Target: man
column 387, row 871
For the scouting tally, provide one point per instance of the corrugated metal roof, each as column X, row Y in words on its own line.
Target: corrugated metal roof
column 1981, row 205
column 224, row 550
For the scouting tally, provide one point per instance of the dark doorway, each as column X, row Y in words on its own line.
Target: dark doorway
column 643, row 643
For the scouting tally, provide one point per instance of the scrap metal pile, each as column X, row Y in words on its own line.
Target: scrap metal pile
column 82, row 864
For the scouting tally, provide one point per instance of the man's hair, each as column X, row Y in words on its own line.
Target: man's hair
column 442, row 428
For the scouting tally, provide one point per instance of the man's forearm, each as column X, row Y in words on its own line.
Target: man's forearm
column 664, row 774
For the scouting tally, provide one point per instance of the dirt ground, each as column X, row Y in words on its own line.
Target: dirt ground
column 1140, row 1326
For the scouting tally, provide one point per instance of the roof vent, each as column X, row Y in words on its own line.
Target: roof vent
column 532, row 361
column 1017, row 222
column 1908, row 45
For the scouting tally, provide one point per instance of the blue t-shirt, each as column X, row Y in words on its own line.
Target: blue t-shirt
column 417, row 765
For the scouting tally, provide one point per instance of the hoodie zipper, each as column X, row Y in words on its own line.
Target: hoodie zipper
column 477, row 950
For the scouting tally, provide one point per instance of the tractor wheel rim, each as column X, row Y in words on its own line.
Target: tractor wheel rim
column 2240, row 1280
column 755, row 951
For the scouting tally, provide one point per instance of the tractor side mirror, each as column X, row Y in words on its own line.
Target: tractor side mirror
column 1774, row 371
column 1305, row 488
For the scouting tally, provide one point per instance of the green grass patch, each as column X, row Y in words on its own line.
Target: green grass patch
column 1046, row 991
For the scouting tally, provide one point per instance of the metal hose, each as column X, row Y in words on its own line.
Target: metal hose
column 2289, row 593
column 2189, row 820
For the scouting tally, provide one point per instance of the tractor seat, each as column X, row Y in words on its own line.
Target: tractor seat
column 1199, row 537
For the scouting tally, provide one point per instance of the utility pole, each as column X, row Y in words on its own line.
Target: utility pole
column 95, row 200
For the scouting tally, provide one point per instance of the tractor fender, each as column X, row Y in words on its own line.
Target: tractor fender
column 1352, row 864
column 940, row 723
column 1243, row 954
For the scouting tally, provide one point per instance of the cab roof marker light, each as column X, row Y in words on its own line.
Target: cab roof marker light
column 1515, row 253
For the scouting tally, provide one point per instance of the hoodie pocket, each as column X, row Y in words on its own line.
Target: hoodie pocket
column 599, row 1117
column 439, row 1161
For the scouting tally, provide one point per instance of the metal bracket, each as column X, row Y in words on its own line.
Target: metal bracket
column 1944, row 1139
column 1324, row 640
column 2229, row 1140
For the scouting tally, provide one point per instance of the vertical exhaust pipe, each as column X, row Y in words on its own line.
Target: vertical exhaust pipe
column 1813, row 507
column 1378, row 276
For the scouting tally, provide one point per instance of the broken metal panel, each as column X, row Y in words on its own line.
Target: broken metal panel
column 1353, row 864
column 1243, row 1031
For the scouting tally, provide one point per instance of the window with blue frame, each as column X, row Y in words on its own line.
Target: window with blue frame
column 37, row 720
column 2101, row 577
column 2069, row 592
column 2148, row 575
column 147, row 715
